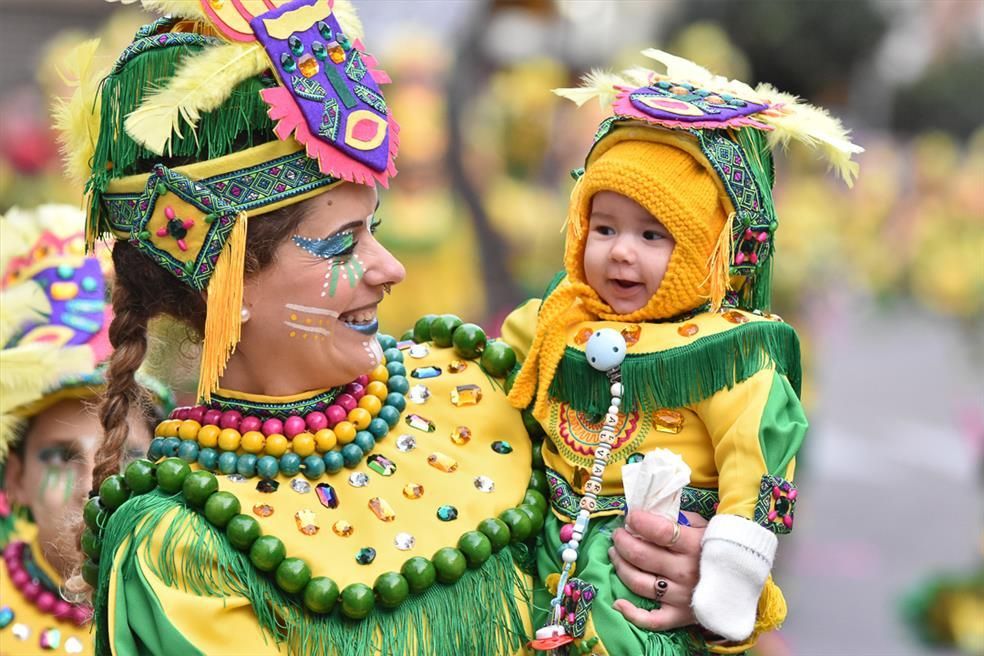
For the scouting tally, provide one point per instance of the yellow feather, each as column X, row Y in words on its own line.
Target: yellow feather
column 348, row 19
column 202, row 84
column 596, row 84
column 77, row 118
column 20, row 305
column 29, row 371
column 179, row 8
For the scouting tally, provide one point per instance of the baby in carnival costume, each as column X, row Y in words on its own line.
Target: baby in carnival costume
column 668, row 264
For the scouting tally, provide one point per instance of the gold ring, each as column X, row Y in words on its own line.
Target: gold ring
column 676, row 534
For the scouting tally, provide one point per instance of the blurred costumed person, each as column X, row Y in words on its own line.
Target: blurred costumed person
column 54, row 318
column 334, row 491
column 655, row 349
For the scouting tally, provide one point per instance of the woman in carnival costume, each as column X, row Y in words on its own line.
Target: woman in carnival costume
column 658, row 335
column 53, row 330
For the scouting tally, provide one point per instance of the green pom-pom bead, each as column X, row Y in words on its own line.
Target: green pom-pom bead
column 537, row 500
column 91, row 544
column 90, row 573
column 221, row 507
column 498, row 359
column 537, row 457
column 538, row 482
column 267, row 552
column 171, row 474
column 520, row 524
column 419, row 573
column 242, row 531
column 496, row 531
column 139, row 476
column 407, row 335
column 391, row 589
column 442, row 328
column 533, row 427
column 292, row 574
column 114, row 492
column 357, row 600
column 536, row 517
column 422, row 329
column 476, row 547
column 320, row 594
column 198, row 486
column 469, row 340
column 450, row 564
column 94, row 514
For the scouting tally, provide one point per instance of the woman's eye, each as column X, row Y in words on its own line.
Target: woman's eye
column 338, row 245
column 56, row 456
column 374, row 225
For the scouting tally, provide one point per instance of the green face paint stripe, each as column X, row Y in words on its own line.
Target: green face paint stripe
column 333, row 283
column 51, row 475
column 69, row 485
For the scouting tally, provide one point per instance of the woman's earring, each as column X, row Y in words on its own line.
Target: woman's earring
column 244, row 315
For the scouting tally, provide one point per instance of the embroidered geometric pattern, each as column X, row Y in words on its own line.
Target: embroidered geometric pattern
column 329, row 119
column 307, row 88
column 371, row 98
column 355, row 68
column 577, row 607
column 142, row 44
column 776, row 504
column 276, row 410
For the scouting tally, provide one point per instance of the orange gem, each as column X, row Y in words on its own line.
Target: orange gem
column 631, row 334
column 678, row 91
column 464, row 395
column 443, row 462
column 382, row 509
column 306, row 523
column 457, row 366
column 735, row 317
column 262, row 510
column 715, row 100
column 688, row 329
column 342, row 528
column 308, row 66
column 461, row 435
column 413, row 490
column 669, row 421
column 336, row 54
column 583, row 336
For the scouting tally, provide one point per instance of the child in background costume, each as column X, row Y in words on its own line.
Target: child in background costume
column 670, row 243
column 54, row 318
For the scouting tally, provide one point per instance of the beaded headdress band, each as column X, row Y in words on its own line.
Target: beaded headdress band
column 225, row 72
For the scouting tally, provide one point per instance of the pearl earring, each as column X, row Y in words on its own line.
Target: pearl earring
column 244, row 315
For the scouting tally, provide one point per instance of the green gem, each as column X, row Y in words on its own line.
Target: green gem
column 139, row 476
column 357, row 600
column 391, row 588
column 496, row 531
column 634, row 458
column 209, row 219
column 292, row 575
column 198, row 486
column 94, row 514
column 537, row 500
column 422, row 329
column 520, row 524
column 536, row 517
column 447, row 513
column 343, row 41
column 319, row 50
column 114, row 492
column 91, row 544
column 90, row 573
column 242, row 531
column 267, row 552
column 365, row 555
column 469, row 340
column 171, row 474
column 295, row 44
column 221, row 507
column 320, row 594
column 420, row 573
column 287, row 63
column 502, row 447
column 442, row 328
column 498, row 358
column 476, row 546
column 143, row 234
column 324, row 29
column 450, row 564
column 160, row 189
column 538, row 482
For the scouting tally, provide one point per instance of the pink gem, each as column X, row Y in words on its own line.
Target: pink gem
column 356, row 390
column 197, row 413
column 772, row 515
column 567, row 590
column 566, row 532
column 739, row 257
column 792, row 494
column 576, row 595
column 316, row 421
column 169, row 212
column 230, row 419
column 273, row 425
column 788, row 521
column 335, row 414
column 46, row 602
column 347, row 401
column 754, row 258
column 363, row 380
column 182, row 245
column 749, row 234
column 293, row 426
column 250, row 423
column 776, row 492
column 162, row 232
column 212, row 417
column 762, row 236
column 570, row 618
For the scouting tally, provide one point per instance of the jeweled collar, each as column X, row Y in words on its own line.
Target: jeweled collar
column 279, row 407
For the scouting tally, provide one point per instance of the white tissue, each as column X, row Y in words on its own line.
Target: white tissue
column 654, row 483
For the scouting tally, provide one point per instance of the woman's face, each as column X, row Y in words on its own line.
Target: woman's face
column 52, row 471
column 312, row 312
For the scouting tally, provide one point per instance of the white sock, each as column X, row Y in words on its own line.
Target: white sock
column 735, row 560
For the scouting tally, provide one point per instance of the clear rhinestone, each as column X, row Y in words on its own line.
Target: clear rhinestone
column 300, row 486
column 74, row 646
column 406, row 443
column 418, row 394
column 418, row 351
column 236, row 478
column 358, row 479
column 404, row 541
column 484, row 484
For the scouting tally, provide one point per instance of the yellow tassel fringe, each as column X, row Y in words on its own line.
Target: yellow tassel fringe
column 718, row 279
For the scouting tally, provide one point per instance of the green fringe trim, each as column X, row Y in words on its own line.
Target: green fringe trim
column 757, row 293
column 219, row 132
column 478, row 614
column 688, row 374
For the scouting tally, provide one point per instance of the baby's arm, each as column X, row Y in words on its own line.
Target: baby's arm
column 756, row 429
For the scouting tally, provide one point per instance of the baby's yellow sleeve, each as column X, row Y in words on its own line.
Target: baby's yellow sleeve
column 519, row 328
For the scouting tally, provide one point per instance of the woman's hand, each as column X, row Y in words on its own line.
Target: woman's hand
column 652, row 567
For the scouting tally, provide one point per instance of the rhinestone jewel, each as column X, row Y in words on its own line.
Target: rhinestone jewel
column 413, row 490
column 668, row 421
column 308, row 66
column 582, row 336
column 236, row 478
column 631, row 334
column 262, row 510
column 50, row 639
column 21, row 631
column 418, row 351
column 342, row 528
column 306, row 522
column 735, row 317
column 404, row 541
column 382, row 509
column 419, row 394
column 501, row 446
column 406, row 443
column 74, row 646
column 337, row 56
column 381, row 465
column 7, row 613
column 461, row 435
column 358, row 479
column 326, row 495
column 447, row 513
column 426, row 372
column 365, row 556
column 465, row 395
column 457, row 366
column 300, row 486
column 484, row 484
column 688, row 330
column 440, row 461
column 420, row 423
column 634, row 458
column 267, row 486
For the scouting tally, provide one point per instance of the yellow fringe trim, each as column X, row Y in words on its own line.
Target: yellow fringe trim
column 223, row 323
column 718, row 280
column 770, row 616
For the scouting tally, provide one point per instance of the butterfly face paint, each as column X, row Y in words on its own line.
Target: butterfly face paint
column 344, row 264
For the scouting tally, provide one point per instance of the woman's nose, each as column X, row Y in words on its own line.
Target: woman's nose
column 382, row 267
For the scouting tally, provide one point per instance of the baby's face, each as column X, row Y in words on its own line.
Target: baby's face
column 626, row 253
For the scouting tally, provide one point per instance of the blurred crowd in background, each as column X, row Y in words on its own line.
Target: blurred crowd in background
column 886, row 267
